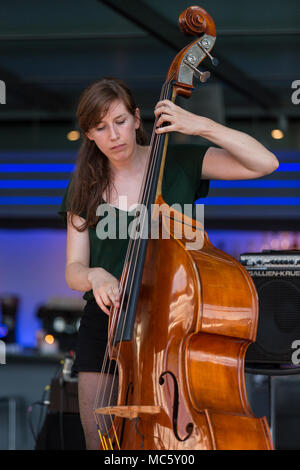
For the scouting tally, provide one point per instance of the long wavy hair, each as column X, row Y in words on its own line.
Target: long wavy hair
column 92, row 175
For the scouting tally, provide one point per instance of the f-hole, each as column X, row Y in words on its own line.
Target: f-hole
column 189, row 427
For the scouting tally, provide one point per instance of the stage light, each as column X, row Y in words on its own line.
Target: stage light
column 277, row 134
column 59, row 324
column 49, row 339
column 73, row 135
column 281, row 129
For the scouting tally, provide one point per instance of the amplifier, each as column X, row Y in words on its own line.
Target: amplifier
column 276, row 275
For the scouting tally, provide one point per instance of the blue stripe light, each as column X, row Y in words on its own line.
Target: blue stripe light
column 255, row 184
column 28, row 200
column 210, row 201
column 288, row 167
column 36, row 167
column 33, row 184
column 249, row 201
column 69, row 167
column 62, row 184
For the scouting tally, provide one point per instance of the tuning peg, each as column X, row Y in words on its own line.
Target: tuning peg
column 203, row 76
column 202, row 45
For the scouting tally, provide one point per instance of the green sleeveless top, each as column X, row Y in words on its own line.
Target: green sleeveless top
column 182, row 184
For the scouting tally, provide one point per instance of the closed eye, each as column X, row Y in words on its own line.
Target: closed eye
column 117, row 122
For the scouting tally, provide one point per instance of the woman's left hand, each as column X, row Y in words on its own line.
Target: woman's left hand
column 178, row 119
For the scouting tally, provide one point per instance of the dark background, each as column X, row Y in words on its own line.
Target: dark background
column 50, row 51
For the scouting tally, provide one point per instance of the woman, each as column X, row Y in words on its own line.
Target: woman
column 110, row 164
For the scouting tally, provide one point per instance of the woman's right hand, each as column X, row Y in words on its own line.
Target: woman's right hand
column 105, row 288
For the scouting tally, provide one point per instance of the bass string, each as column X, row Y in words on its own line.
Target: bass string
column 132, row 277
column 129, row 255
column 104, row 377
column 125, row 272
column 130, row 250
column 125, row 278
column 123, row 284
column 134, row 242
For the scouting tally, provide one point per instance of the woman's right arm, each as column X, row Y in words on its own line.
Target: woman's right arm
column 79, row 276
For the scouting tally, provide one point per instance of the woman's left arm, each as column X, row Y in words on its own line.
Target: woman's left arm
column 240, row 156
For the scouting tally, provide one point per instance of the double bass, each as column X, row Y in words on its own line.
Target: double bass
column 186, row 316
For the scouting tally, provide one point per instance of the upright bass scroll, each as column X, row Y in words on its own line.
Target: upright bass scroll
column 193, row 21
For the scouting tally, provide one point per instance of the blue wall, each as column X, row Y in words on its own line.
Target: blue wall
column 33, row 266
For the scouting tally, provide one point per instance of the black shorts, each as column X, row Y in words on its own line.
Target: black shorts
column 92, row 339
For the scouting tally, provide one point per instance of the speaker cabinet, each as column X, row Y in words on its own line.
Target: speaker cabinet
column 276, row 276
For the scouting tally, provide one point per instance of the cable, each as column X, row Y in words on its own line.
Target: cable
column 30, row 410
column 61, row 414
column 46, row 389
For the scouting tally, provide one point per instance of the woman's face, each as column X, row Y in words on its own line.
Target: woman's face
column 115, row 135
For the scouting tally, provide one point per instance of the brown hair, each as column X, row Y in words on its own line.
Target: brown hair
column 92, row 174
